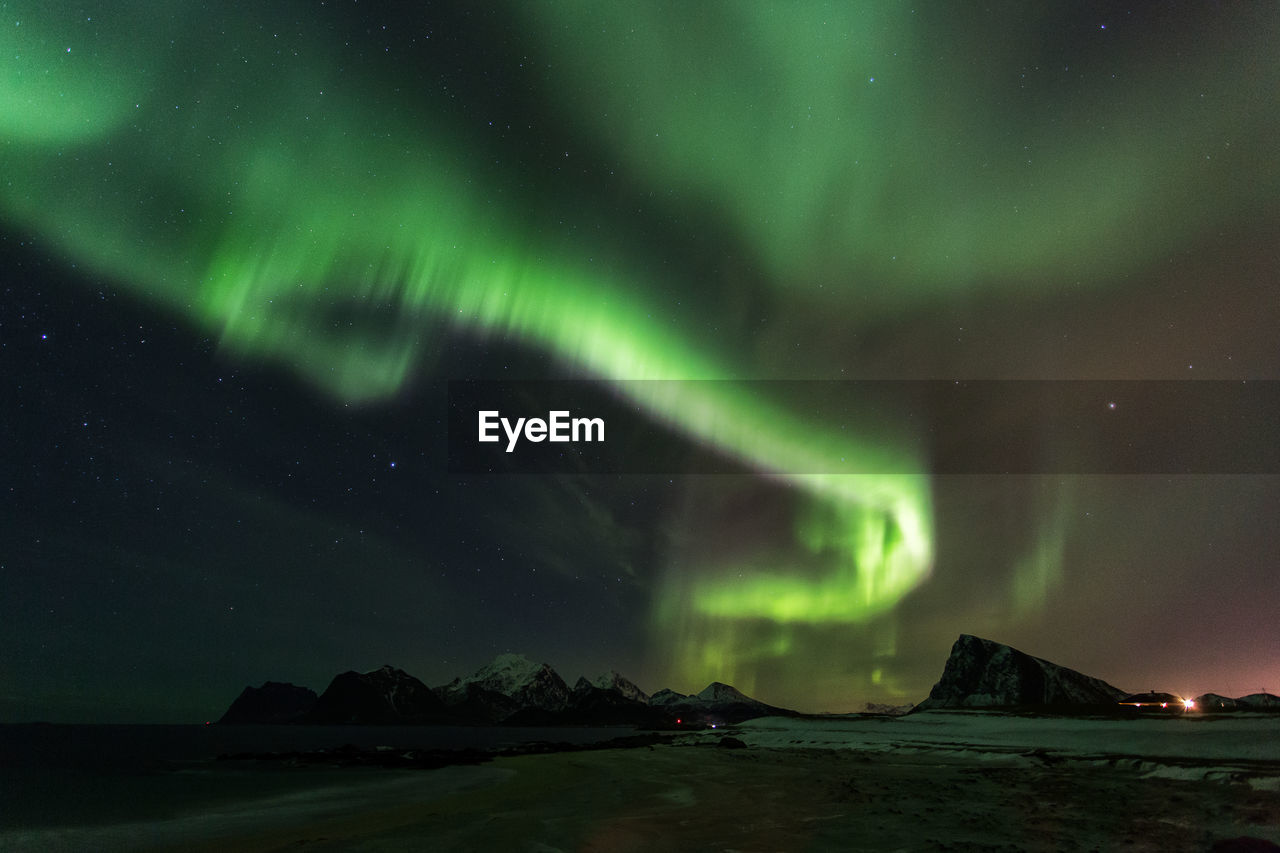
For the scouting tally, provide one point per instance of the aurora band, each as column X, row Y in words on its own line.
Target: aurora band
column 285, row 230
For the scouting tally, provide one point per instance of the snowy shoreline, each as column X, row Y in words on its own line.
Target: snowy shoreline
column 973, row 779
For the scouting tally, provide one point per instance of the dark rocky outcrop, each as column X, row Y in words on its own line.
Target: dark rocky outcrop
column 273, row 702
column 610, row 706
column 984, row 674
column 386, row 695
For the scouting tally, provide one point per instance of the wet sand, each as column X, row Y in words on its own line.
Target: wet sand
column 704, row 797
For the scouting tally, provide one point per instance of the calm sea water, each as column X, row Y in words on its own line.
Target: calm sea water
column 121, row 787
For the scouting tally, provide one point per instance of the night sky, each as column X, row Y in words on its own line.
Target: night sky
column 245, row 247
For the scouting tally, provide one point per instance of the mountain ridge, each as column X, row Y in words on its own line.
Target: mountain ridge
column 509, row 690
column 981, row 673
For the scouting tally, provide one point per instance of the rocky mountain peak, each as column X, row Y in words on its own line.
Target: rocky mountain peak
column 619, row 684
column 384, row 695
column 981, row 673
column 718, row 691
column 666, row 696
column 531, row 685
column 273, row 702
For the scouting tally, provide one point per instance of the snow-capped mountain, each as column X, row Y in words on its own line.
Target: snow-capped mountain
column 666, row 696
column 716, row 703
column 529, row 684
column 593, row 705
column 613, row 681
column 718, row 691
column 511, row 690
column 475, row 704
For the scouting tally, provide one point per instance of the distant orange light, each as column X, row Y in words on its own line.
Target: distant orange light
column 1189, row 704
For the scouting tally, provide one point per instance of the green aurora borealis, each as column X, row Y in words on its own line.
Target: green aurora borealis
column 277, row 181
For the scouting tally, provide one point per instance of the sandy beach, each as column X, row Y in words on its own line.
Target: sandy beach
column 925, row 785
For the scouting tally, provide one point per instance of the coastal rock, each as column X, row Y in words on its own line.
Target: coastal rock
column 984, row 674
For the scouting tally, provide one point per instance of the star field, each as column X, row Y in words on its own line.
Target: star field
column 246, row 247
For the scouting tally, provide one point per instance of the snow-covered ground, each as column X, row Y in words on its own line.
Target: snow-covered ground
column 1241, row 738
column 931, row 781
column 1241, row 748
